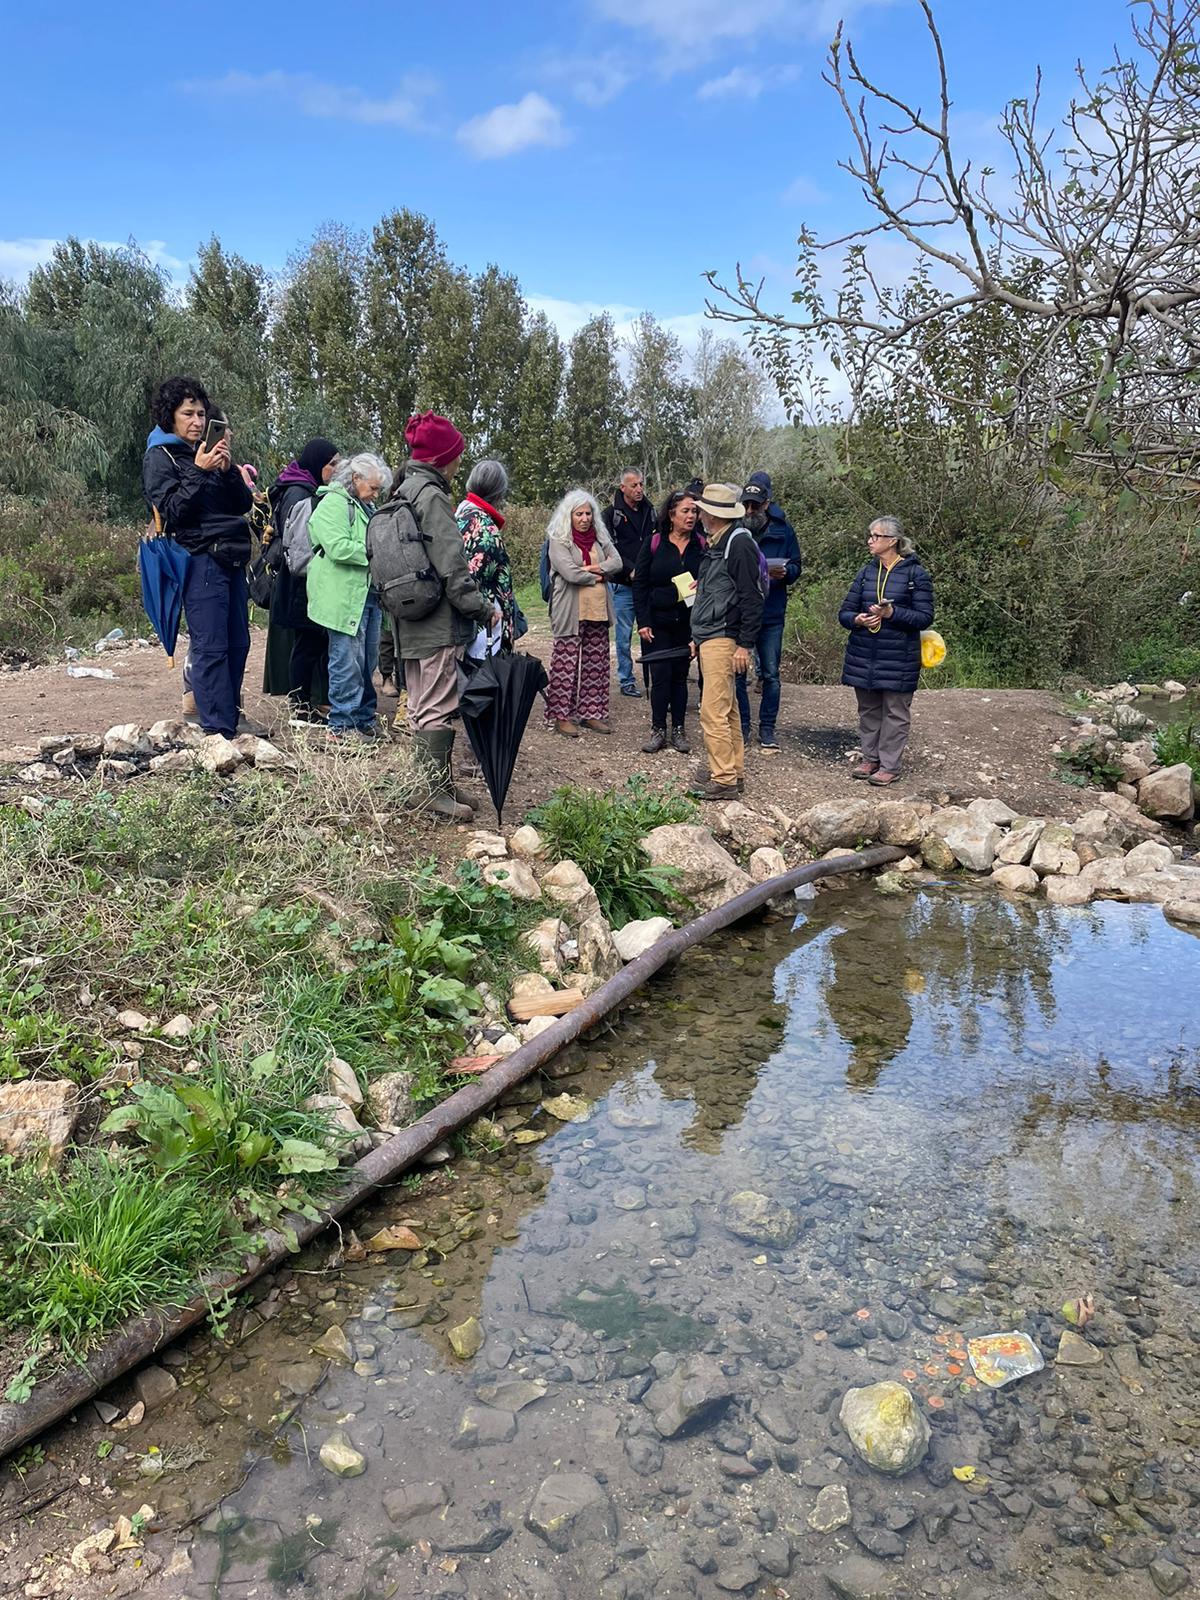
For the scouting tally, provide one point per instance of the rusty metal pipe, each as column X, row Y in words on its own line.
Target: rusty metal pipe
column 142, row 1337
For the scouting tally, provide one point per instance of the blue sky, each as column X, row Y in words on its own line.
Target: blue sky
column 606, row 151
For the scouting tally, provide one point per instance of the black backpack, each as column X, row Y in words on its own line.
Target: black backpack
column 408, row 584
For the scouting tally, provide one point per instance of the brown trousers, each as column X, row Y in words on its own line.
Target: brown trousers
column 432, row 685
column 720, row 720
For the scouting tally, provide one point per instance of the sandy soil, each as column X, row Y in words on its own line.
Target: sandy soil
column 965, row 742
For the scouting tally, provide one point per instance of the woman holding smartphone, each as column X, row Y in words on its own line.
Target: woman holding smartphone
column 189, row 478
column 888, row 604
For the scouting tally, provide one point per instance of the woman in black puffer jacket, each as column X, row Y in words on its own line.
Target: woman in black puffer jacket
column 888, row 604
column 664, row 621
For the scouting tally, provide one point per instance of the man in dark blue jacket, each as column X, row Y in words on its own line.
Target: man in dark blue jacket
column 778, row 543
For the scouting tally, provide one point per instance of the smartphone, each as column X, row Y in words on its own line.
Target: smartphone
column 216, row 430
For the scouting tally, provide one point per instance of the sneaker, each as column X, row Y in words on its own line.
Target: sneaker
column 248, row 725
column 656, row 742
column 865, row 769
column 631, row 691
column 768, row 743
column 679, row 742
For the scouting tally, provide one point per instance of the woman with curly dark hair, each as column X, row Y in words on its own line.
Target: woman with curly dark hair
column 664, row 579
column 202, row 500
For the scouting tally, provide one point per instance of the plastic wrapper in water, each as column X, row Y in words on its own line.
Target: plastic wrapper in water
column 1000, row 1358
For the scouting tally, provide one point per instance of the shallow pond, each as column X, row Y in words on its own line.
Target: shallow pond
column 973, row 1111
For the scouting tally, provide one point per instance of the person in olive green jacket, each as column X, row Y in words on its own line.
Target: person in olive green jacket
column 431, row 646
column 340, row 597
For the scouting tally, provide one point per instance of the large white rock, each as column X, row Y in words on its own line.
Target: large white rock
column 1169, row 793
column 1187, row 911
column 546, row 939
column 747, row 829
column 902, row 822
column 886, row 1426
column 260, row 752
column 1014, row 878
column 705, row 873
column 514, row 877
column 766, row 864
column 567, row 885
column 835, row 823
column 988, row 810
column 1124, row 808
column 1106, row 877
column 635, row 938
column 1149, row 856
column 974, row 843
column 37, row 1118
column 598, row 953
column 1136, row 761
column 527, row 843
column 1021, row 842
column 126, row 739
column 172, row 731
column 1067, row 891
column 219, row 755
column 172, row 763
column 1054, row 851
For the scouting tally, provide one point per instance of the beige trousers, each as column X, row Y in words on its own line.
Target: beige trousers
column 720, row 721
column 432, row 685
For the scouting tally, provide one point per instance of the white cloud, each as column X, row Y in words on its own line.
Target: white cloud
column 505, row 130
column 18, row 257
column 593, row 80
column 406, row 107
column 803, row 192
column 688, row 23
column 743, row 83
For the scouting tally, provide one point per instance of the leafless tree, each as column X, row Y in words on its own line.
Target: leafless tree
column 1087, row 253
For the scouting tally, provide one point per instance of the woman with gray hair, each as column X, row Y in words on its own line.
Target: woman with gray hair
column 340, row 597
column 582, row 556
column 481, row 523
column 888, row 604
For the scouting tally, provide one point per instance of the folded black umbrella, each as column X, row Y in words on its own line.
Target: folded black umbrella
column 495, row 697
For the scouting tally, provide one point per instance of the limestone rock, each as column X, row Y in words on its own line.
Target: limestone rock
column 535, row 1026
column 974, row 843
column 389, row 1100
column 766, row 864
column 1124, row 808
column 567, row 885
column 333, row 1345
column 1053, row 851
column 340, row 1457
column 172, row 763
column 1022, row 839
column 1074, row 1351
column 154, row 1386
column 340, row 1078
column 989, row 810
column 531, row 985
column 484, row 1425
column 1169, row 793
column 527, row 843
column 515, row 877
column 485, row 846
column 339, row 1117
column 886, row 1427
column 38, row 772
column 832, row 1510
column 937, row 854
column 598, row 953
column 1015, row 879
column 412, row 1500
column 705, row 873
column 1107, row 877
column 1185, row 911
column 126, row 739
column 759, row 1219
column 37, row 1118
column 172, row 731
column 467, row 1339
column 219, row 755
column 1075, row 891
column 688, row 1398
column 259, row 752
column 901, row 822
column 132, row 1021
column 114, row 769
column 747, row 829
column 838, row 824
column 570, row 1509
column 860, row 1578
column 1179, row 881
column 635, row 938
column 1149, row 856
column 546, row 939
column 1136, row 761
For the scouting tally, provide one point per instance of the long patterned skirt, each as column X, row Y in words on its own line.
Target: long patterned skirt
column 579, row 676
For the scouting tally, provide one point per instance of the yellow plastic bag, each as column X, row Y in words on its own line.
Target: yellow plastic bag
column 933, row 648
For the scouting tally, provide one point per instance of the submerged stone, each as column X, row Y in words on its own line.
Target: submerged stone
column 340, row 1457
column 760, row 1219
column 695, row 1394
column 832, row 1510
column 569, row 1509
column 885, row 1426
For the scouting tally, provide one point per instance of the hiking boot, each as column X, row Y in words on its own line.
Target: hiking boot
column 679, row 742
column 187, row 705
column 865, row 769
column 631, row 691
column 715, row 791
column 569, row 730
column 389, row 688
column 656, row 742
column 596, row 724
column 881, row 779
column 703, row 775
column 248, row 725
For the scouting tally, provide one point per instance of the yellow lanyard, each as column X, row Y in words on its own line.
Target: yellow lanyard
column 881, row 578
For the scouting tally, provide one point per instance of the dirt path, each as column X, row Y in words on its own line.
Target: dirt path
column 965, row 742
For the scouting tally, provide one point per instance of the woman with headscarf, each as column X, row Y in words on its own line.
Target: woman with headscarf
column 582, row 556
column 297, row 659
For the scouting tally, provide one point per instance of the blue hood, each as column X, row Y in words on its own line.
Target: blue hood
column 160, row 436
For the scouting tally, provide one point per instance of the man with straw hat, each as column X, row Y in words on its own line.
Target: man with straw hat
column 726, row 617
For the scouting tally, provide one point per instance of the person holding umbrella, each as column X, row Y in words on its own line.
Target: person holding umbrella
column 201, row 500
column 664, row 584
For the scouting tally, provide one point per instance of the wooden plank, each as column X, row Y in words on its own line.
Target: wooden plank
column 556, row 1004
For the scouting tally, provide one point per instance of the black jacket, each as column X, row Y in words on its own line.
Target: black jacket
column 729, row 596
column 629, row 527
column 889, row 660
column 655, row 598
column 289, row 599
column 204, row 511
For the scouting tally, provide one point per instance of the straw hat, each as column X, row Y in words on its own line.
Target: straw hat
column 721, row 500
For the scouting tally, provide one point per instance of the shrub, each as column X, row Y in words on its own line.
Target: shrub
column 524, row 531
column 1177, row 743
column 602, row 830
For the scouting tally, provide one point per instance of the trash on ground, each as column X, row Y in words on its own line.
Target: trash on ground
column 1079, row 1312
column 999, row 1358
column 90, row 672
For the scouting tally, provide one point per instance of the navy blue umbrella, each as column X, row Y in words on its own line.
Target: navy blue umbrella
column 163, row 567
column 495, row 697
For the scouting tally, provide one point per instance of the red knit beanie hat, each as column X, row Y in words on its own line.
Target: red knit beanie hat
column 433, row 439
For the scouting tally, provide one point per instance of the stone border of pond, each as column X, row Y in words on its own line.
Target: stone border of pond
column 143, row 1337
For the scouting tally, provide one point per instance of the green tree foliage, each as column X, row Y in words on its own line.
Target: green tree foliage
column 47, row 451
column 444, row 380
column 594, row 425
column 228, row 305
column 659, row 403
column 402, row 264
column 320, row 356
column 538, row 468
column 727, row 399
column 497, row 357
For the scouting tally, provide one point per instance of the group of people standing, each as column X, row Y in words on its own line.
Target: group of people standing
column 706, row 578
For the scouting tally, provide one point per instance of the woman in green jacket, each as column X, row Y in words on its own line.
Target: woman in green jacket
column 340, row 597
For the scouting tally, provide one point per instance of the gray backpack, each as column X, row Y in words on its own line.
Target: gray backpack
column 297, row 541
column 408, row 584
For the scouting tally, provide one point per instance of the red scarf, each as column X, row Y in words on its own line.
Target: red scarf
column 477, row 500
column 585, row 543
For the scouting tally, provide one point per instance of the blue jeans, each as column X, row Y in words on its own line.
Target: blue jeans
column 767, row 653
column 622, row 598
column 218, row 619
column 352, row 658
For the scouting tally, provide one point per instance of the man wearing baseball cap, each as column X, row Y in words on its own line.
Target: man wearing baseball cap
column 726, row 615
column 777, row 540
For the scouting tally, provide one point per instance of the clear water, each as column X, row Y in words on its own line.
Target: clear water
column 975, row 1110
